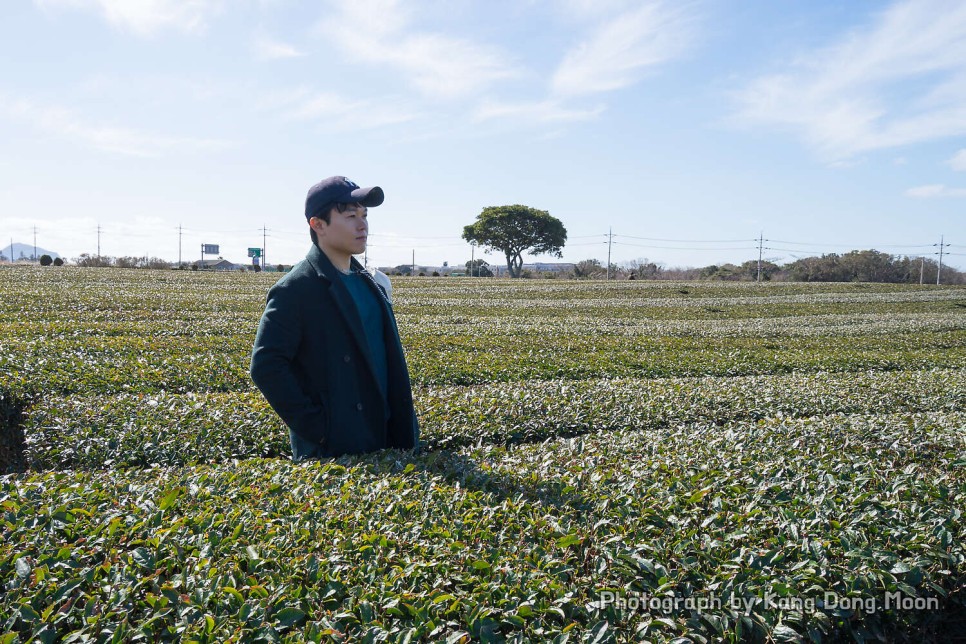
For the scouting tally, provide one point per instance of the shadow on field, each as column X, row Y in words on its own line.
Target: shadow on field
column 470, row 474
column 473, row 475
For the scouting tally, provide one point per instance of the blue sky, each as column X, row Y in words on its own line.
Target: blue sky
column 687, row 128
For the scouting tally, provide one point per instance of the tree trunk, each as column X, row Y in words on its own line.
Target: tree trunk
column 514, row 264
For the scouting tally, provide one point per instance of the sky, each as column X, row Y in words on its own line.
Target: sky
column 680, row 132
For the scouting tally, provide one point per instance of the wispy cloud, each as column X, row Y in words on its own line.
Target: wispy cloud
column 936, row 190
column 337, row 112
column 548, row 111
column 620, row 49
column 63, row 123
column 266, row 48
column 145, row 17
column 589, row 9
column 898, row 81
column 440, row 66
column 958, row 162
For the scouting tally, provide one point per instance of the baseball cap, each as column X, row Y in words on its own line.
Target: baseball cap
column 339, row 190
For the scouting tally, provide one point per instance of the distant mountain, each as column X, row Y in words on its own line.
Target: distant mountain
column 24, row 251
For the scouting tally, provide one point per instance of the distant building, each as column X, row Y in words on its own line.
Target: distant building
column 217, row 265
column 547, row 267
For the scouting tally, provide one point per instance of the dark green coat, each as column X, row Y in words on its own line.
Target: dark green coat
column 313, row 364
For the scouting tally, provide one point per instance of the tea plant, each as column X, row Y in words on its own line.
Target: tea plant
column 601, row 461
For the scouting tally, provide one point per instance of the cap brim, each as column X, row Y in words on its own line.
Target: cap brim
column 368, row 197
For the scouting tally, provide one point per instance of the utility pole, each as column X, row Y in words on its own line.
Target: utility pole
column 610, row 241
column 98, row 243
column 942, row 245
column 472, row 258
column 761, row 243
column 179, row 245
column 35, row 243
column 413, row 273
column 922, row 269
column 264, row 235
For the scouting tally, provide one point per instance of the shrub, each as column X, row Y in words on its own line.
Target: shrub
column 46, row 260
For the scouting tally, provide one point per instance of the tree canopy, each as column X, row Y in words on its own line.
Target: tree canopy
column 514, row 230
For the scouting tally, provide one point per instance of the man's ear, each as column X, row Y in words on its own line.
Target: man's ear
column 318, row 225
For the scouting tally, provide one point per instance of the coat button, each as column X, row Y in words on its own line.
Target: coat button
column 346, row 358
column 359, row 406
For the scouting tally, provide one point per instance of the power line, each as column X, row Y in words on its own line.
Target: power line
column 685, row 248
column 795, row 250
column 687, row 241
column 791, row 243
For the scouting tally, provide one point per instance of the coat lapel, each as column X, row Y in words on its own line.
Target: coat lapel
column 343, row 302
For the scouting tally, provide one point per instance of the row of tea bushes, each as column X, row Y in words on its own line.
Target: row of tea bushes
column 134, row 364
column 177, row 429
column 774, row 530
column 116, row 331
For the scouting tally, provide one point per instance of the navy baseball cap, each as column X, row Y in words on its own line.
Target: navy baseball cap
column 333, row 190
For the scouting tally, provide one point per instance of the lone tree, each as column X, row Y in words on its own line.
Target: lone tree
column 515, row 230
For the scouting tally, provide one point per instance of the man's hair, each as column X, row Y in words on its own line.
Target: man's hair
column 325, row 215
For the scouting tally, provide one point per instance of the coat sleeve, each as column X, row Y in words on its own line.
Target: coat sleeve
column 275, row 370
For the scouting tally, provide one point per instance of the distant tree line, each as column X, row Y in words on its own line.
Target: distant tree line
column 854, row 266
column 89, row 261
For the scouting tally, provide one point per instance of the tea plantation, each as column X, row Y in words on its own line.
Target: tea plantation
column 601, row 462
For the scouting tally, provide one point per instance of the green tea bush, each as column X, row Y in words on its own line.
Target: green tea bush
column 601, row 462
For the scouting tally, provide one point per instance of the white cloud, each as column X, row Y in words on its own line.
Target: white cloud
column 899, row 81
column 587, row 9
column 145, row 17
column 620, row 49
column 337, row 112
column 440, row 66
column 958, row 162
column 266, row 48
column 935, row 190
column 63, row 123
column 548, row 111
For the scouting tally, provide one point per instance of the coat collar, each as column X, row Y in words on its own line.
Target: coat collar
column 324, row 267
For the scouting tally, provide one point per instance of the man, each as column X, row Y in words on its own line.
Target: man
column 327, row 355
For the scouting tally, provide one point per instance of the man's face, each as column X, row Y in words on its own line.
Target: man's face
column 347, row 230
